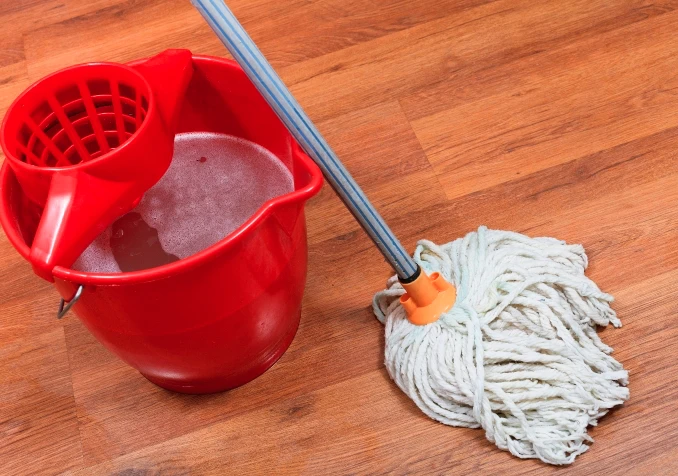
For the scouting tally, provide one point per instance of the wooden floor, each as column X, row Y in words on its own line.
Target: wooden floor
column 554, row 117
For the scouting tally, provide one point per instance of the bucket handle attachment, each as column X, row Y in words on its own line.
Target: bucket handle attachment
column 64, row 306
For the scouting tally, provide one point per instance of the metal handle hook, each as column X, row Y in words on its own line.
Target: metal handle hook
column 64, row 306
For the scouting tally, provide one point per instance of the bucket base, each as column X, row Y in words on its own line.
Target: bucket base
column 221, row 384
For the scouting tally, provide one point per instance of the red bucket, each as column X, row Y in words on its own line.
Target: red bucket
column 223, row 316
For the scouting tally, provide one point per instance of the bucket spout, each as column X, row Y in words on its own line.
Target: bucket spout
column 169, row 74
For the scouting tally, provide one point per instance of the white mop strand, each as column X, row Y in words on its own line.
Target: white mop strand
column 518, row 354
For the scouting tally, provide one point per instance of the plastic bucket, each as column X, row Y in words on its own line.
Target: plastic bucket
column 221, row 317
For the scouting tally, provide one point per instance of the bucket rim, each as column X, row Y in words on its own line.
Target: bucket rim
column 300, row 195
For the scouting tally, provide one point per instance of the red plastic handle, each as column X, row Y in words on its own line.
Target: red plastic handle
column 69, row 223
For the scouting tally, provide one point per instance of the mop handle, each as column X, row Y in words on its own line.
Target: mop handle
column 261, row 73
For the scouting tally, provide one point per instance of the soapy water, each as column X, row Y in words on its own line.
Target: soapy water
column 214, row 184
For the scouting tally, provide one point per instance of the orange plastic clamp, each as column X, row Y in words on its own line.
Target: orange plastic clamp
column 427, row 298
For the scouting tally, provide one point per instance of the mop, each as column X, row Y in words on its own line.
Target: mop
column 494, row 330
column 518, row 353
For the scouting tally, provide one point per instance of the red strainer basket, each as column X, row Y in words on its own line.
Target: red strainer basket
column 86, row 142
column 67, row 122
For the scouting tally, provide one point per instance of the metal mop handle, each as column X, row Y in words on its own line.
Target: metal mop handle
column 269, row 84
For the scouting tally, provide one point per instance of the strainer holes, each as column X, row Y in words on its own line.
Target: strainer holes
column 92, row 145
column 37, row 147
column 40, row 113
column 75, row 110
column 128, row 92
column 68, row 95
column 51, row 126
column 24, row 134
column 128, row 107
column 79, row 122
column 130, row 126
column 62, row 141
column 49, row 160
column 83, row 127
column 109, row 123
column 103, row 105
column 99, row 87
column 113, row 139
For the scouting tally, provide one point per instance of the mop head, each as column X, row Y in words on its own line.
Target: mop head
column 518, row 354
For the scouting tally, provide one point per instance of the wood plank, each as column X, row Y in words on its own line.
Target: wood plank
column 537, row 199
column 26, row 16
column 13, row 80
column 419, row 58
column 549, row 118
column 140, row 29
column 510, row 51
column 38, row 423
column 626, row 227
column 563, row 104
column 28, row 305
column 336, row 24
column 308, row 434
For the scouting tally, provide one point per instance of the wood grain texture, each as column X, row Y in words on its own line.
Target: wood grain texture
column 549, row 118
